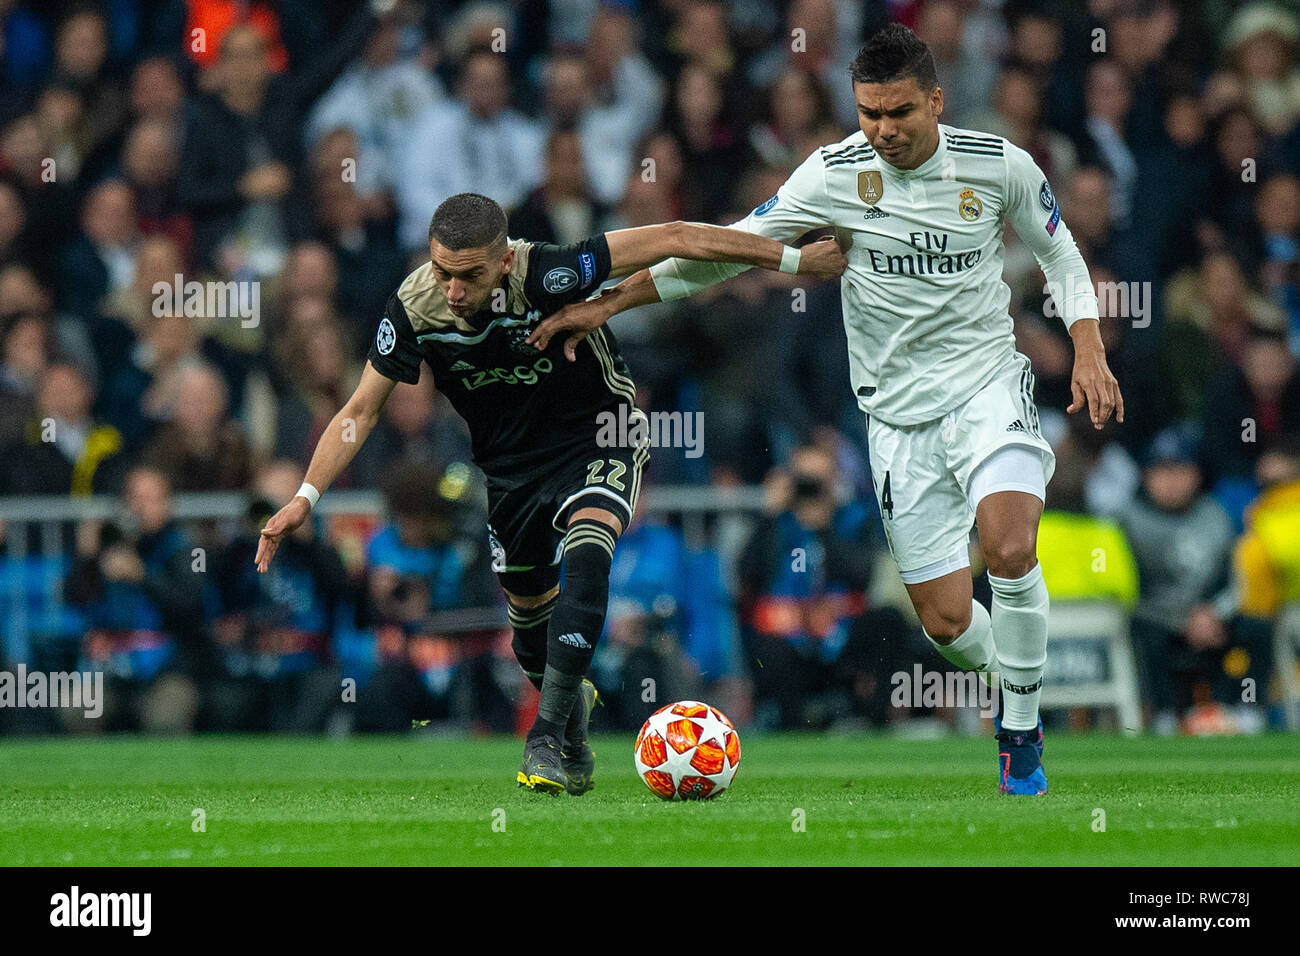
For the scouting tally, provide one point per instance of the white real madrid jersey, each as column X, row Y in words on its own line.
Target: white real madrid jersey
column 925, row 307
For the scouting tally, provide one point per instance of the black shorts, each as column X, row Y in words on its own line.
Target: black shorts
column 526, row 522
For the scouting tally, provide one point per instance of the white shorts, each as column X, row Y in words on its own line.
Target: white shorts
column 929, row 478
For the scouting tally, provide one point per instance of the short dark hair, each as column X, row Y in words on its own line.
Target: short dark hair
column 895, row 53
column 468, row 221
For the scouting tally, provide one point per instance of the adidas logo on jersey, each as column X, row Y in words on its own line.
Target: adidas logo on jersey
column 462, row 366
column 875, row 214
column 574, row 640
column 1016, row 426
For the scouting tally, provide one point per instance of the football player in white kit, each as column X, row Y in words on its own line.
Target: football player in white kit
column 919, row 210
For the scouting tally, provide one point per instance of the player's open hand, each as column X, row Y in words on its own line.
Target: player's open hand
column 579, row 318
column 1093, row 385
column 822, row 259
column 280, row 524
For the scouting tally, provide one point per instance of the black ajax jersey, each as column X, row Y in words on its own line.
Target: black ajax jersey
column 525, row 409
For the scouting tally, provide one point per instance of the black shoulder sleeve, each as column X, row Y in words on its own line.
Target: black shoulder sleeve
column 558, row 275
column 394, row 352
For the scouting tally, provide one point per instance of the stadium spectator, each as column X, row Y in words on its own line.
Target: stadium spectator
column 820, row 37
column 101, row 259
column 809, row 346
column 562, row 209
column 610, row 95
column 13, row 223
column 22, row 293
column 25, row 157
column 24, row 355
column 1261, row 45
column 81, row 66
column 1238, row 144
column 150, row 157
column 1277, row 211
column 1016, row 112
column 476, row 142
column 1109, row 98
column 670, row 621
column 419, row 426
column 966, row 74
column 276, row 630
column 802, row 580
column 1173, row 174
column 377, row 99
column 144, row 607
column 712, row 143
column 241, row 147
column 421, row 564
column 1267, row 556
column 1035, row 40
column 64, row 450
column 1210, row 314
column 157, row 92
column 1186, row 627
column 797, row 109
column 1095, row 474
column 367, row 260
column 200, row 448
column 314, row 375
column 1251, row 405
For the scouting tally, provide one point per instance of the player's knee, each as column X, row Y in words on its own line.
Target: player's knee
column 1011, row 555
column 528, row 602
column 588, row 557
column 945, row 624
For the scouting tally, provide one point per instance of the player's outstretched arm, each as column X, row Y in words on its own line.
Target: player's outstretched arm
column 339, row 444
column 580, row 319
column 633, row 249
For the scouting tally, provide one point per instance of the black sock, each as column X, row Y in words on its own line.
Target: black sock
column 573, row 727
column 576, row 623
column 529, row 643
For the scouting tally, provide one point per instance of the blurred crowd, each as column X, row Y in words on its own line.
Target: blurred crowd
column 293, row 151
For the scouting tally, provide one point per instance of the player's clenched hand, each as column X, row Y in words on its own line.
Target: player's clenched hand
column 281, row 523
column 1092, row 384
column 822, row 259
column 580, row 318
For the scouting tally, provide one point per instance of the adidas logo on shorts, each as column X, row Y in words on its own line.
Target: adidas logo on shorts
column 462, row 366
column 1017, row 426
column 574, row 640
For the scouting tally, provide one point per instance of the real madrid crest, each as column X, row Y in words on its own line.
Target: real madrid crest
column 870, row 186
column 969, row 205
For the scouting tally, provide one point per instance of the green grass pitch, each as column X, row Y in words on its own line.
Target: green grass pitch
column 871, row 800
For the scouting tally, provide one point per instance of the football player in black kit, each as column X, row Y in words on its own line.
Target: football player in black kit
column 555, row 494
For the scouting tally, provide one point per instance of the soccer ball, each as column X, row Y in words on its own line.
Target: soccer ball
column 688, row 750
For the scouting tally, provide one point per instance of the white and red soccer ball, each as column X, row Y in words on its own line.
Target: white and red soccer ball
column 687, row 750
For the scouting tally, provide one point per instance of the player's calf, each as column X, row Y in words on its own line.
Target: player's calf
column 576, row 623
column 529, row 643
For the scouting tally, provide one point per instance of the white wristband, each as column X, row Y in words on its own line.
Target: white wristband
column 790, row 260
column 310, row 493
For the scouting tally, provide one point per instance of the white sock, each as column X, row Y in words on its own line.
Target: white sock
column 1020, row 625
column 973, row 650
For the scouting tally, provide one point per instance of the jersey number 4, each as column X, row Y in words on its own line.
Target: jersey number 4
column 887, row 499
